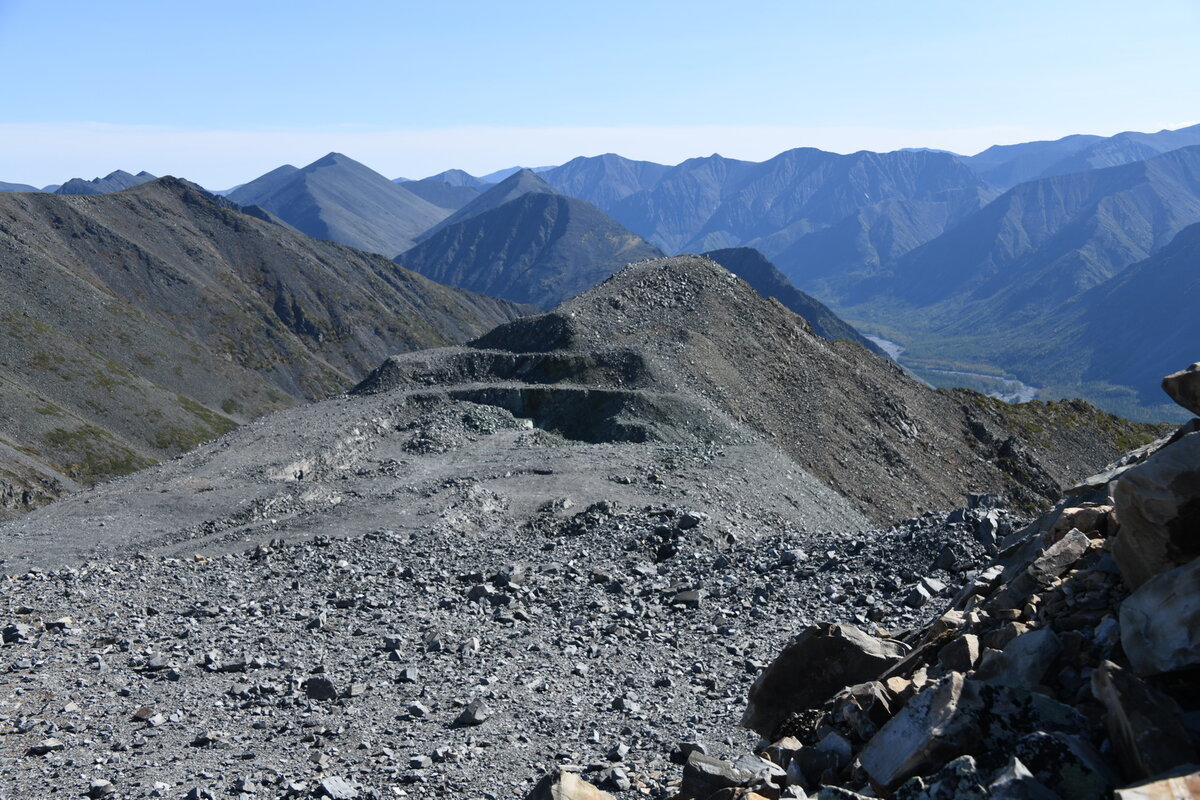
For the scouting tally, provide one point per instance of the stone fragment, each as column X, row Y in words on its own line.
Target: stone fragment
column 961, row 654
column 936, row 725
column 564, row 785
column 918, row 597
column 320, row 687
column 100, row 788
column 683, row 750
column 1041, row 571
column 957, row 780
column 476, row 713
column 704, row 776
column 1015, row 782
column 1184, row 387
column 1024, row 660
column 45, row 746
column 1143, row 724
column 1158, row 505
column 812, row 668
column 17, row 632
column 1160, row 622
column 336, row 788
column 1176, row 787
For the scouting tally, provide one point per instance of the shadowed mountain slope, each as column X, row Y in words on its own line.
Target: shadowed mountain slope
column 539, row 247
column 142, row 322
column 442, row 194
column 17, row 187
column 1044, row 241
column 754, row 268
column 1120, row 337
column 339, row 199
column 519, row 183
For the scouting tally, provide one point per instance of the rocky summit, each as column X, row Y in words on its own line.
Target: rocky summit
column 560, row 561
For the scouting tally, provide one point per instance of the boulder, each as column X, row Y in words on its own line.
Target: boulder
column 704, row 776
column 1143, row 724
column 812, row 668
column 961, row 654
column 1160, row 622
column 937, row 725
column 1184, row 387
column 564, row 785
column 1158, row 505
column 1023, row 661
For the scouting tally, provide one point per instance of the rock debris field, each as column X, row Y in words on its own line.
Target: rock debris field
column 409, row 664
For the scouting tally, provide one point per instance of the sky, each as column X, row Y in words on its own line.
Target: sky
column 220, row 92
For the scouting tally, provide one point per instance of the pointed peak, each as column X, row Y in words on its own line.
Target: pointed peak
column 523, row 180
column 331, row 160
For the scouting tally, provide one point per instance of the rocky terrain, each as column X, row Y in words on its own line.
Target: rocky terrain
column 1065, row 668
column 575, row 543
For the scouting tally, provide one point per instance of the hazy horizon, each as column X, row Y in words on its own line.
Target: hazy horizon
column 222, row 93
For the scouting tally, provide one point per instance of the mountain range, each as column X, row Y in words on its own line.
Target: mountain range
column 525, row 242
column 1004, row 166
column 961, row 261
column 142, row 322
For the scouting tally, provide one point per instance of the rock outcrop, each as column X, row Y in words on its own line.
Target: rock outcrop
column 1046, row 678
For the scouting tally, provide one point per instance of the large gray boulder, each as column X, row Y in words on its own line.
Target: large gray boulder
column 1184, row 387
column 814, row 667
column 939, row 724
column 1160, row 622
column 1158, row 506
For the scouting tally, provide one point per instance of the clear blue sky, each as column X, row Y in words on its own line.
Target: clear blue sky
column 221, row 91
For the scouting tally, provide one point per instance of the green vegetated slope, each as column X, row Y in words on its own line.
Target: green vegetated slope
column 141, row 323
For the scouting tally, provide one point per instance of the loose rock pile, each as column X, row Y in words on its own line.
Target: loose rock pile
column 1067, row 667
column 604, row 640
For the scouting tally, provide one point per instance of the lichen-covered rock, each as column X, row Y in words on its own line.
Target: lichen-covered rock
column 812, row 668
column 1158, row 505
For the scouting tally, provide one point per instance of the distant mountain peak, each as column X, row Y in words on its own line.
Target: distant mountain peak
column 523, row 181
column 114, row 181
